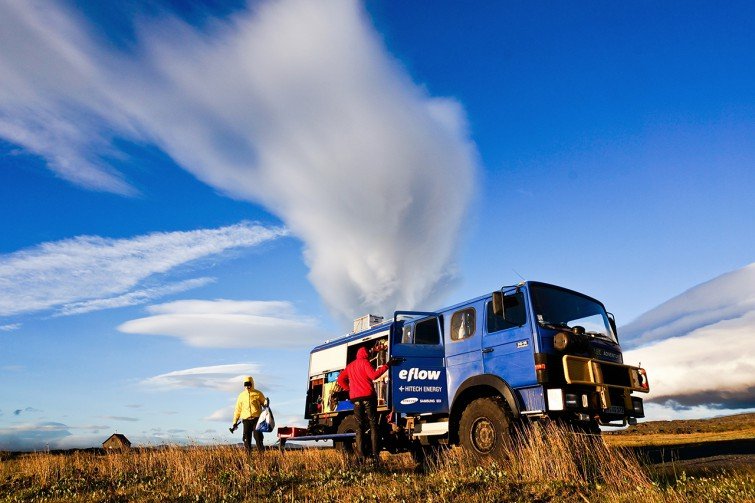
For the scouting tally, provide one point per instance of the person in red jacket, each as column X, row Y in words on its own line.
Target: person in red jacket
column 357, row 379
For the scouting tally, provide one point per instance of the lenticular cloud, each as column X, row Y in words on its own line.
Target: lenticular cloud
column 295, row 105
column 698, row 347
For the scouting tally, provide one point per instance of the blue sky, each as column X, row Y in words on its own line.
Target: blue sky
column 196, row 191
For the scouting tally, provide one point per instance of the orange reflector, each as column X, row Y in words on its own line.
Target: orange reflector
column 539, row 366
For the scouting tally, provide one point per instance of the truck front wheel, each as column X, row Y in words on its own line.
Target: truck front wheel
column 348, row 425
column 485, row 428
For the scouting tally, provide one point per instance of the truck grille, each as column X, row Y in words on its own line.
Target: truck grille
column 579, row 370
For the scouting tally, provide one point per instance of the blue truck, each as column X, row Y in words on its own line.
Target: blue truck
column 468, row 373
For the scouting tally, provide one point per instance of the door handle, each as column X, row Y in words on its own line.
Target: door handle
column 488, row 350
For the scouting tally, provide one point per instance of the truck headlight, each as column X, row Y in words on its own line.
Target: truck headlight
column 561, row 341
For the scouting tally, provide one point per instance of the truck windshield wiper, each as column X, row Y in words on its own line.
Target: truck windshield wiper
column 562, row 325
column 598, row 334
column 553, row 326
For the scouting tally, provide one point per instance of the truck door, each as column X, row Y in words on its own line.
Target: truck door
column 507, row 345
column 418, row 381
column 463, row 339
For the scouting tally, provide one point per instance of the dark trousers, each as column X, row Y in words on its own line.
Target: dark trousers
column 249, row 425
column 365, row 413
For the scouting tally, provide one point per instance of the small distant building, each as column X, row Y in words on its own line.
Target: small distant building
column 116, row 441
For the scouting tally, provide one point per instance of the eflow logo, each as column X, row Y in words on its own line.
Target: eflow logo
column 414, row 373
column 409, row 401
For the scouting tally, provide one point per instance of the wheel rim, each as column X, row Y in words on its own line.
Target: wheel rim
column 483, row 435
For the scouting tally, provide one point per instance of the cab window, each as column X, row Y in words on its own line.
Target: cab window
column 516, row 315
column 426, row 332
column 463, row 324
column 406, row 334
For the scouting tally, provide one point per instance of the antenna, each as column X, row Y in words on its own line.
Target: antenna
column 520, row 276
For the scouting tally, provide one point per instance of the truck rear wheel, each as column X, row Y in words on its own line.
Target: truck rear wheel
column 348, row 425
column 485, row 428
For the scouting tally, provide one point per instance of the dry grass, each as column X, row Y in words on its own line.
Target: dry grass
column 662, row 433
column 547, row 464
column 669, row 439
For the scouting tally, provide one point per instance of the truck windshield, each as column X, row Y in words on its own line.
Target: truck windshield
column 561, row 308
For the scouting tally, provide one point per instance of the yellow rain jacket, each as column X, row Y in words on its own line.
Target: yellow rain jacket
column 249, row 403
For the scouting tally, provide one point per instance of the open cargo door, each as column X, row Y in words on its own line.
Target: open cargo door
column 418, row 380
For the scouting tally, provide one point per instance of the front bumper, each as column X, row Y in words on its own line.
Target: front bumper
column 599, row 389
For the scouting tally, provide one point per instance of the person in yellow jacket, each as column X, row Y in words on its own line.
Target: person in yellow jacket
column 248, row 408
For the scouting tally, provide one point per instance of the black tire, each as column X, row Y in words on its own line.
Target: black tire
column 485, row 428
column 348, row 425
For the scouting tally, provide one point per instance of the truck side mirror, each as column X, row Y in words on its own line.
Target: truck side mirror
column 612, row 321
column 498, row 308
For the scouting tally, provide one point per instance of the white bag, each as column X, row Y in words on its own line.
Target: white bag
column 266, row 421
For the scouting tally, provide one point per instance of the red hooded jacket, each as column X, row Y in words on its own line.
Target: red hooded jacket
column 358, row 375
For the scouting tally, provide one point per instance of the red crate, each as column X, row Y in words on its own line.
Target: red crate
column 291, row 432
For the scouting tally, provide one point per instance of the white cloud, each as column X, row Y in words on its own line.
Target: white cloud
column 726, row 297
column 228, row 324
column 32, row 436
column 711, row 365
column 218, row 377
column 698, row 347
column 662, row 412
column 84, row 273
column 10, row 327
column 224, row 415
column 52, row 98
column 132, row 298
column 121, row 418
column 294, row 104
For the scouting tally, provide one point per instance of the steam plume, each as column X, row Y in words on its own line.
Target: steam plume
column 295, row 105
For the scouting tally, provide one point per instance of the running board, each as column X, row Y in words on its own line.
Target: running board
column 430, row 429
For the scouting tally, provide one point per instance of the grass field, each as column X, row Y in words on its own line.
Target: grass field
column 735, row 427
column 548, row 464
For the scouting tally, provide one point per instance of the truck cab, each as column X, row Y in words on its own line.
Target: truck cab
column 467, row 373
